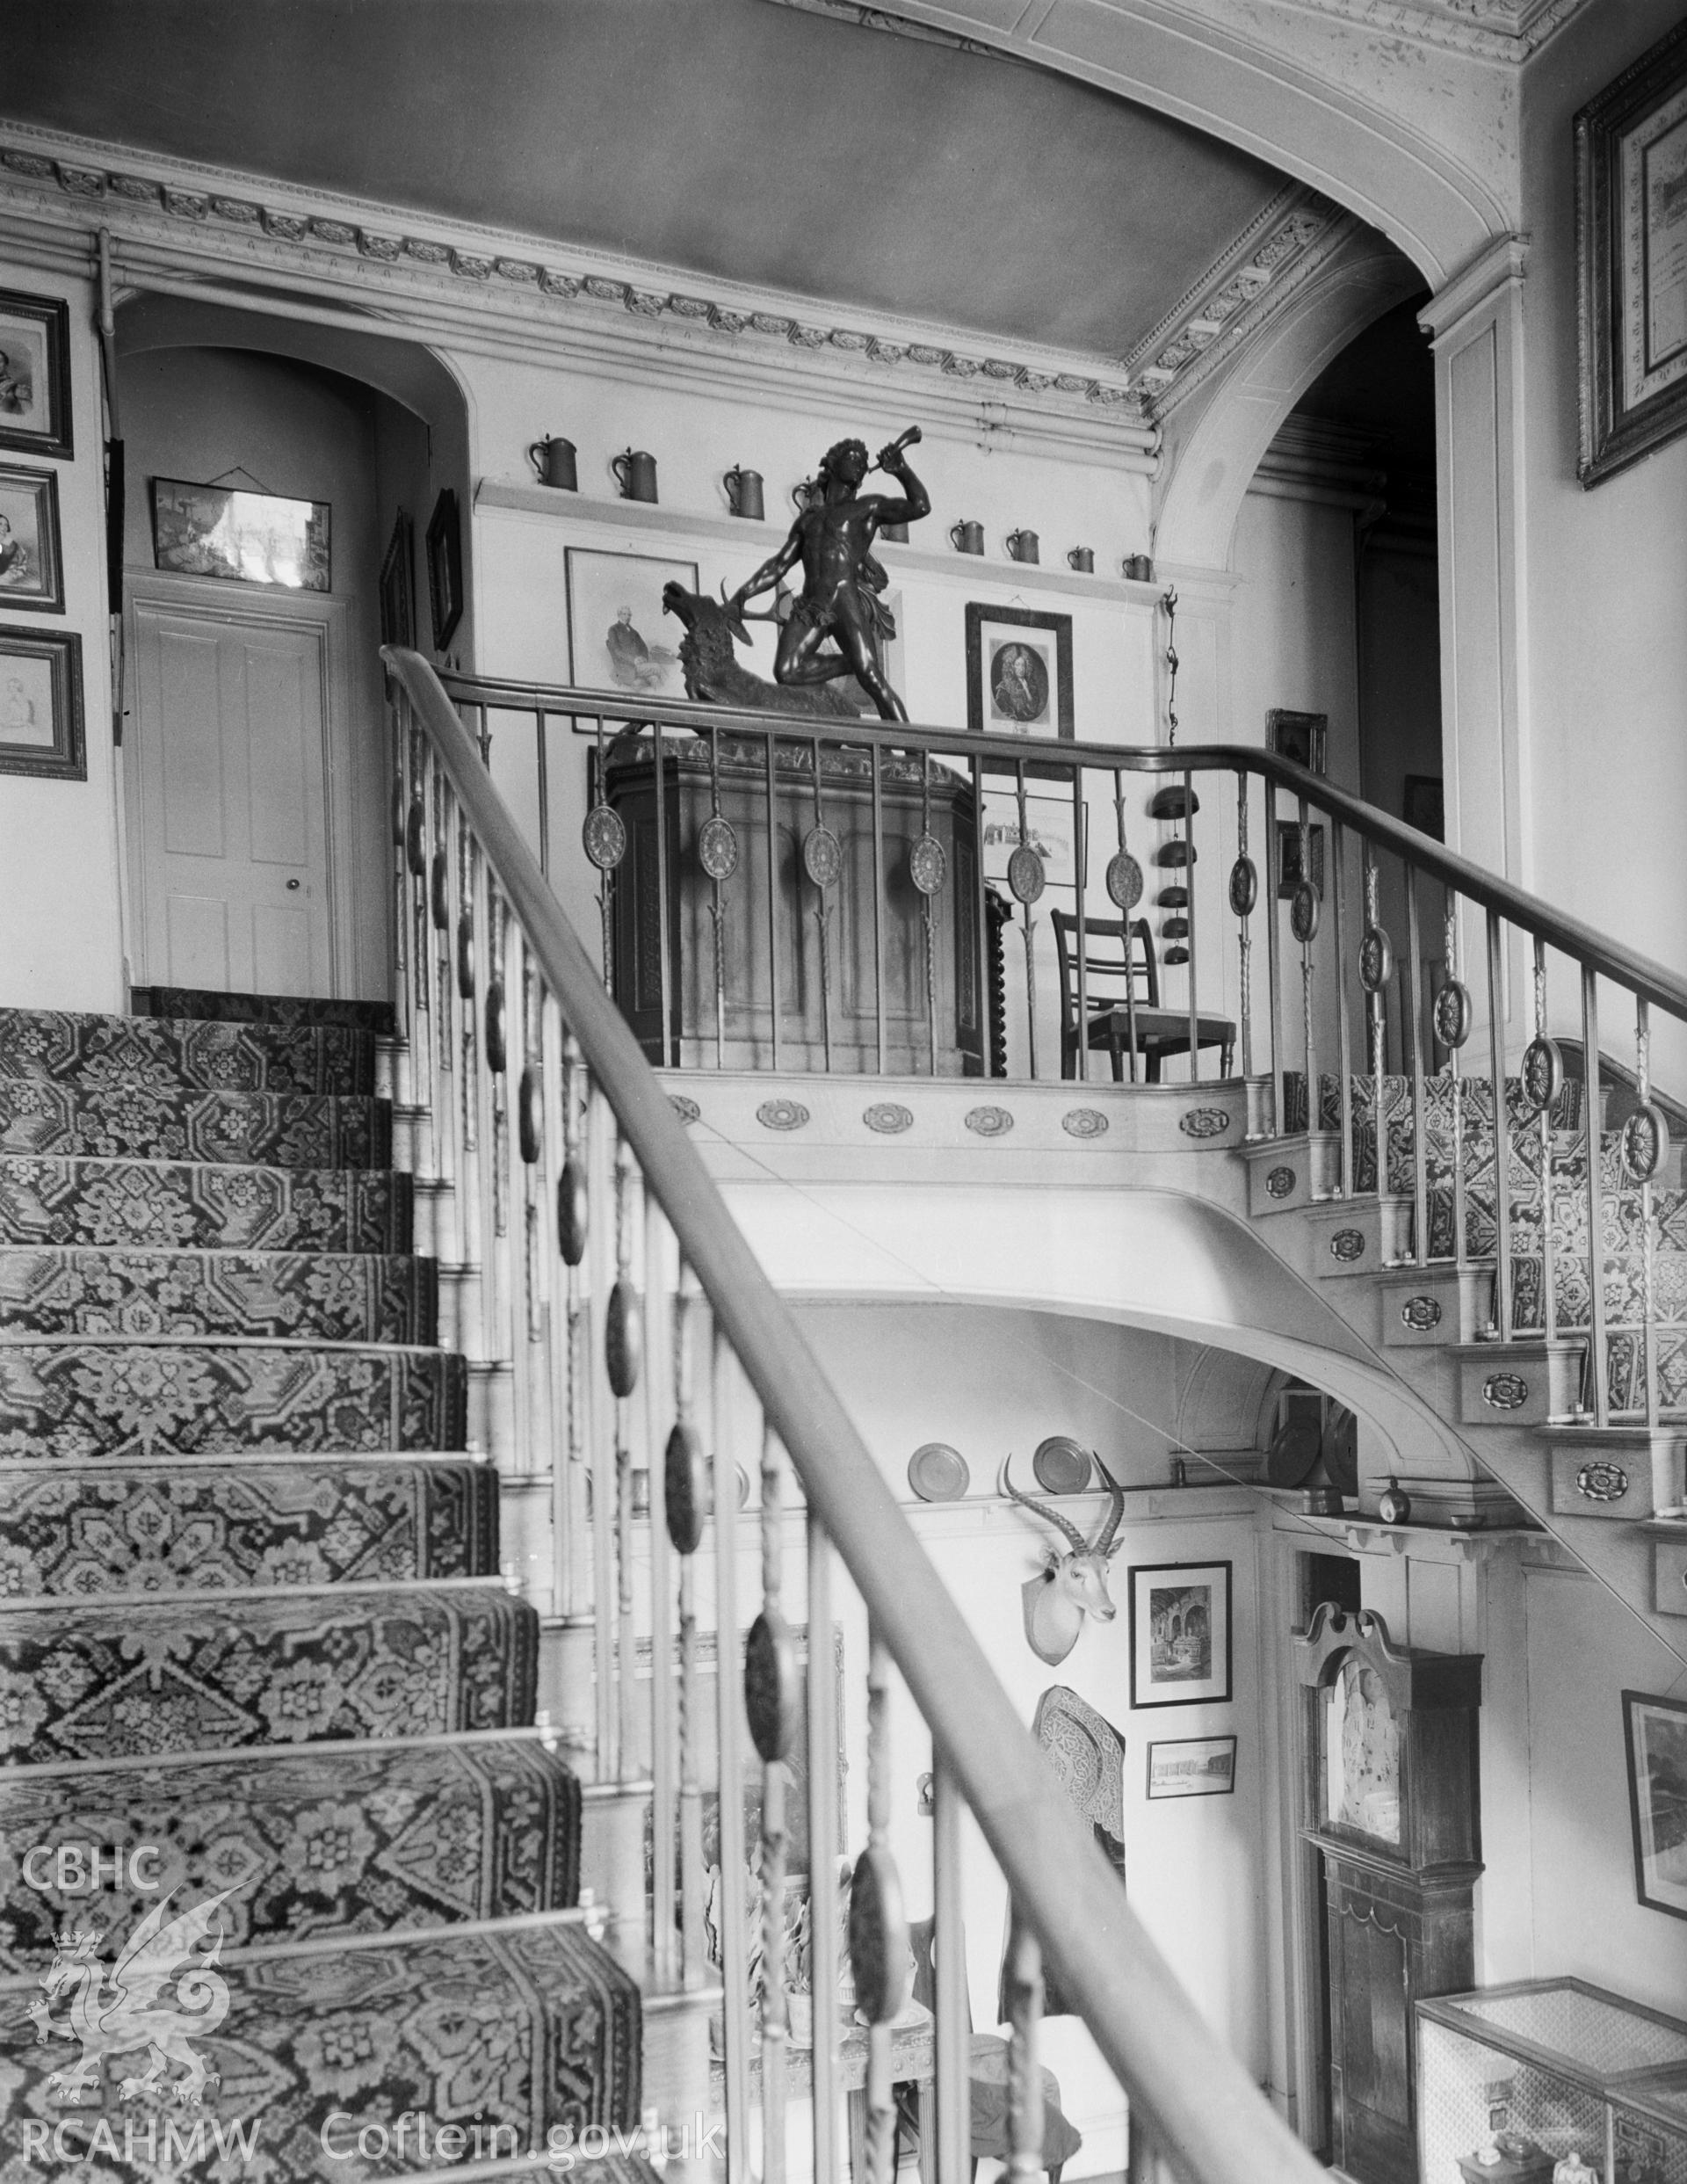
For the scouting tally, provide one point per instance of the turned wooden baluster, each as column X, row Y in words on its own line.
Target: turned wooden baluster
column 771, row 1702
column 878, row 1947
column 623, row 1359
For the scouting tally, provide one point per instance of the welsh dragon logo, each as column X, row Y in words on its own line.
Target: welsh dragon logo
column 162, row 1993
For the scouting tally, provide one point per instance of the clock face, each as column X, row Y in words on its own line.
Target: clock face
column 1361, row 1754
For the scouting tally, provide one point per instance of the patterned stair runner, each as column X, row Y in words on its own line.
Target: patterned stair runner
column 253, row 1648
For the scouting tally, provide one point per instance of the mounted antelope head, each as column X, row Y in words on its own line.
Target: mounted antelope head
column 1074, row 1584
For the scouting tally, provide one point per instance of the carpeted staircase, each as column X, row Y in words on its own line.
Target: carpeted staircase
column 252, row 1628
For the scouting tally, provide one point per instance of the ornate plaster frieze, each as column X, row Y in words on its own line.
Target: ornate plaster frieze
column 240, row 227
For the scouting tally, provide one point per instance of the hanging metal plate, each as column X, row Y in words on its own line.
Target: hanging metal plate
column 686, row 1476
column 495, row 1042
column 1453, row 1015
column 1541, row 1074
column 822, row 856
column 439, row 891
column 530, row 1115
column 415, row 838
column 1376, row 959
column 605, row 837
column 880, row 1960
column 927, row 865
column 1305, row 910
column 623, row 1338
column 1124, row 880
column 1244, row 887
column 773, row 1690
column 466, row 957
column 1026, row 878
column 572, row 1218
column 717, row 848
column 1643, row 1141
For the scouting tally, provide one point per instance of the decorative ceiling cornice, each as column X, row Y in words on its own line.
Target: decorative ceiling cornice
column 267, row 227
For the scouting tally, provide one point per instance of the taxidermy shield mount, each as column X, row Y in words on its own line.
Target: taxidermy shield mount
column 1072, row 1585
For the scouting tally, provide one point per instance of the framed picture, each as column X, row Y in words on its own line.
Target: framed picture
column 31, row 571
column 1423, row 805
column 1655, row 1731
column 1300, row 737
column 618, row 637
column 1288, row 858
column 34, row 373
column 1019, row 672
column 397, row 594
column 240, row 536
column 1193, row 1766
column 40, row 703
column 1048, row 829
column 1180, row 1634
column 1631, row 247
column 445, row 568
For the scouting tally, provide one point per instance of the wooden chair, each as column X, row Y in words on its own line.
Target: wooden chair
column 1122, row 998
column 987, row 2077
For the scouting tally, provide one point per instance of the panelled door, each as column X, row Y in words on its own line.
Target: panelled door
column 229, row 779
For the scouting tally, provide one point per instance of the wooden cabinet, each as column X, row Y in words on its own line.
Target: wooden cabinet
column 1389, row 1751
column 819, row 964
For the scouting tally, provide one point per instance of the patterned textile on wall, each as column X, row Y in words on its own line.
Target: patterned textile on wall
column 1087, row 1755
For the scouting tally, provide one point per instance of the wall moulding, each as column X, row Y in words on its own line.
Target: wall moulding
column 239, row 239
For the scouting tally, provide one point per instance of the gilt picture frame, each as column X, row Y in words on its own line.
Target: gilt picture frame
column 1654, row 1735
column 1302, row 738
column 1630, row 246
column 40, row 703
column 1180, row 1634
column 35, row 374
column 32, row 566
column 445, row 568
column 1018, row 673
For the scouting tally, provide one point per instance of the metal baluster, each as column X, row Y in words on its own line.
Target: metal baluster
column 1343, row 1027
column 1125, row 892
column 926, row 869
column 769, row 745
column 822, row 1850
column 573, row 1228
column 717, row 853
column 1244, row 893
column 879, row 1951
column 1596, row 1195
column 822, row 860
column 1027, row 880
column 771, row 1702
column 1449, row 1011
column 1080, row 1057
column 687, row 1493
column 1025, row 1998
column 1501, row 1125
column 1646, row 1167
column 1545, row 1058
column 1191, row 890
column 398, row 708
column 952, row 2006
column 606, row 869
column 1273, row 959
column 1303, row 923
column 1376, row 963
column 565, row 1519
column 599, row 1436
column 543, row 754
column 663, row 1725
column 732, row 1920
column 664, row 938
column 879, row 908
column 471, row 1330
column 501, row 1412
column 421, row 998
column 623, row 1356
column 1420, row 1148
column 985, row 1019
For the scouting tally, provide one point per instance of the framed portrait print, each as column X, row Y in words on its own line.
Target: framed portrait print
column 240, row 536
column 1630, row 246
column 31, row 570
column 445, row 568
column 397, row 596
column 1193, row 1766
column 40, row 703
column 1180, row 1634
column 1019, row 672
column 34, row 373
column 618, row 636
column 1655, row 1732
column 1302, row 738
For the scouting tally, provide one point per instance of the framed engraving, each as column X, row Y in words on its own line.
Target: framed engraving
column 1193, row 1766
column 1655, row 1731
column 34, row 373
column 1019, row 672
column 40, row 703
column 31, row 570
column 1180, row 1634
column 1631, row 242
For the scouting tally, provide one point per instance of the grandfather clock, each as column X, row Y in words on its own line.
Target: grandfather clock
column 1390, row 1755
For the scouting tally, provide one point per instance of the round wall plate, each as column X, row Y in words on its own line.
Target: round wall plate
column 936, row 1472
column 1294, row 1452
column 1124, row 880
column 1062, row 1467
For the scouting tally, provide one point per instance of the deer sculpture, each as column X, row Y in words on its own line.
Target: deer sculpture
column 1074, row 1584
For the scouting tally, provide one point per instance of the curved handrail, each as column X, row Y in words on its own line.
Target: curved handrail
column 1202, row 2108
column 1641, row 975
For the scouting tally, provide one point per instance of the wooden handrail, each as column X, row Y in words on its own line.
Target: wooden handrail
column 1641, row 975
column 1203, row 2111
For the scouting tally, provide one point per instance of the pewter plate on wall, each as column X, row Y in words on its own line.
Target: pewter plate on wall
column 1062, row 1467
column 938, row 1472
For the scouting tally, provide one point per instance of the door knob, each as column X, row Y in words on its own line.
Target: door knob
column 292, row 887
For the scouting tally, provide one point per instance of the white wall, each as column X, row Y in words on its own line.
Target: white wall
column 61, row 915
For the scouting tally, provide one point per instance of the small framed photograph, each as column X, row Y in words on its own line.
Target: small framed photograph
column 397, row 593
column 1019, row 672
column 238, row 536
column 34, row 373
column 31, row 570
column 40, row 703
column 1302, row 738
column 618, row 636
column 1193, row 1766
column 1288, row 858
column 1049, row 830
column 1180, row 1634
column 1631, row 249
column 1655, row 1731
column 445, row 568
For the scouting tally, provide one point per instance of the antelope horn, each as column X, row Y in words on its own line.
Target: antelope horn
column 1104, row 1545
column 1041, row 1509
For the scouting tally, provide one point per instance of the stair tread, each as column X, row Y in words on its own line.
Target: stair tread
column 61, row 1046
